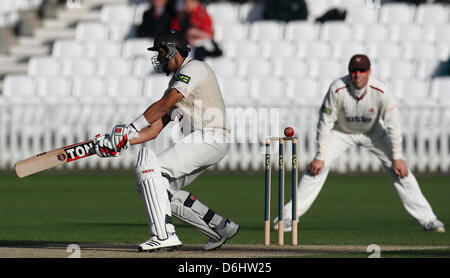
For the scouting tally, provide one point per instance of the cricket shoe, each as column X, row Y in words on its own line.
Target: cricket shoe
column 435, row 226
column 287, row 225
column 227, row 232
column 155, row 244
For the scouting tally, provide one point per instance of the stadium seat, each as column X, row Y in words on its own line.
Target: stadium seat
column 395, row 13
column 370, row 32
column 395, row 87
column 241, row 49
column 142, row 67
column 223, row 12
column 98, row 49
column 426, row 69
column 266, row 30
column 44, row 66
column 432, row 14
column 357, row 14
column 314, row 50
column 235, row 91
column 268, row 91
column 222, row 66
column 113, row 66
column 254, row 68
column 303, row 91
column 440, row 89
column 300, row 30
column 278, row 49
column 345, row 50
column 349, row 3
column 230, row 31
column 336, row 31
column 442, row 33
column 155, row 85
column 89, row 87
column 133, row 48
column 326, row 68
column 117, row 14
column 289, row 67
column 383, row 51
column 395, row 68
column 55, row 89
column 406, row 33
column 68, row 48
column 6, row 6
column 414, row 92
column 78, row 66
column 19, row 87
column 420, row 51
column 91, row 31
column 125, row 89
column 443, row 51
column 119, row 32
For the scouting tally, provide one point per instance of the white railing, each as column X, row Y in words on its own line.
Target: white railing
column 28, row 128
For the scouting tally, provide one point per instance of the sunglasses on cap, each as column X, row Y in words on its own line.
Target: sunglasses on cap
column 360, row 70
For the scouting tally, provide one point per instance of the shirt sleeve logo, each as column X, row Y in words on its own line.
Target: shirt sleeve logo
column 326, row 110
column 183, row 78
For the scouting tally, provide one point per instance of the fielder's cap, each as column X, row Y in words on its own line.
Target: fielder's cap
column 170, row 35
column 359, row 62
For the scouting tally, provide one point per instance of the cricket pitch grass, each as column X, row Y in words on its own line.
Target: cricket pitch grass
column 44, row 215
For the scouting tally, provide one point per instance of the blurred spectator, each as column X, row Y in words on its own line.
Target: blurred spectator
column 48, row 8
column 443, row 69
column 156, row 19
column 285, row 10
column 195, row 22
column 332, row 14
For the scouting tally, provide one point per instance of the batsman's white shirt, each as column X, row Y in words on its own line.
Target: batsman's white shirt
column 202, row 106
column 370, row 121
column 204, row 124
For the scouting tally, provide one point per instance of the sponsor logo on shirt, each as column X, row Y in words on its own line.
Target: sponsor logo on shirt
column 183, row 78
column 359, row 119
column 326, row 110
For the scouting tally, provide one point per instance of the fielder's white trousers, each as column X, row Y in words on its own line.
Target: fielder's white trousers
column 378, row 143
column 192, row 155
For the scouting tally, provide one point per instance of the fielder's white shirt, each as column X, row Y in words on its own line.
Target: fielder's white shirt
column 344, row 111
column 202, row 106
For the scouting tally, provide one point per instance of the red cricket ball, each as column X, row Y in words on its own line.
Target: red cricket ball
column 289, row 131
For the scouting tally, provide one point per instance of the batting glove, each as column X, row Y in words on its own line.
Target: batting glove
column 104, row 147
column 121, row 135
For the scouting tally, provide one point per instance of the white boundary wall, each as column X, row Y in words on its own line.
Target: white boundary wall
column 28, row 128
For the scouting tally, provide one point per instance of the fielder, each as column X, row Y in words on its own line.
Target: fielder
column 193, row 97
column 359, row 110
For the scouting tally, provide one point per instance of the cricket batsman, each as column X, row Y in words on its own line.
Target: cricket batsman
column 193, row 97
column 359, row 110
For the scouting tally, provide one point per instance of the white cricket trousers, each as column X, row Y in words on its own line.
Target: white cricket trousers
column 192, row 155
column 378, row 143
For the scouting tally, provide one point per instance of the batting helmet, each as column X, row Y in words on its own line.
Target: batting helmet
column 172, row 41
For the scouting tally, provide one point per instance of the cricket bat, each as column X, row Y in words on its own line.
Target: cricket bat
column 53, row 158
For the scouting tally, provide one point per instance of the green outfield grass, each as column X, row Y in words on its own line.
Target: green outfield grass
column 88, row 207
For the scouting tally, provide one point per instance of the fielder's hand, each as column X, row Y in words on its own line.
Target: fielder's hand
column 121, row 135
column 316, row 166
column 104, row 147
column 400, row 168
